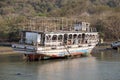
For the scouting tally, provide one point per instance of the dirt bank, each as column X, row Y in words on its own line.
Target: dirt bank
column 6, row 50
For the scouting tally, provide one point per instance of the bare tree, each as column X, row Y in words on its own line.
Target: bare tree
column 113, row 25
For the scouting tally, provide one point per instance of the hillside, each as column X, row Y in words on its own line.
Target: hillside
column 102, row 14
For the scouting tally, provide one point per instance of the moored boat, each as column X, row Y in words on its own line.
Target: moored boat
column 36, row 45
column 115, row 45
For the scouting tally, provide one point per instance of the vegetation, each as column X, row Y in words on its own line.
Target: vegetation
column 102, row 14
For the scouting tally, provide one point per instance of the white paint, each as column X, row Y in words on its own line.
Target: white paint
column 38, row 38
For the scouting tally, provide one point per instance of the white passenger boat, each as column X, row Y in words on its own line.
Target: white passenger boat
column 36, row 45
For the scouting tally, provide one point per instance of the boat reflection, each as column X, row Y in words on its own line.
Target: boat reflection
column 71, row 69
column 102, row 65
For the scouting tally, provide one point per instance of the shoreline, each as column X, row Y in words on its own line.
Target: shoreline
column 6, row 50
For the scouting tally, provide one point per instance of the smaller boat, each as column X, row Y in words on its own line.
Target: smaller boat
column 115, row 44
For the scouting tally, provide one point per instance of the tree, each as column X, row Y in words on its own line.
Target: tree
column 112, row 24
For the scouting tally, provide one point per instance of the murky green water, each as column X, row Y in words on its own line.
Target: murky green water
column 102, row 65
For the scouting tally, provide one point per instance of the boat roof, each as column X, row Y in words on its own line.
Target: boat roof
column 62, row 32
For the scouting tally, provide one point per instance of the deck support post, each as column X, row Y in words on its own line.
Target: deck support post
column 118, row 48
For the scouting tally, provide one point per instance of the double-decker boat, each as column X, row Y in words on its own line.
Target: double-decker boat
column 37, row 45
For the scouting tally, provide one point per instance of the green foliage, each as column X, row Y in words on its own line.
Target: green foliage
column 98, row 12
column 42, row 14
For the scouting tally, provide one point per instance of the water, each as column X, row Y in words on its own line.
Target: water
column 102, row 65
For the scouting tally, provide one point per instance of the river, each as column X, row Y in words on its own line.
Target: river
column 101, row 65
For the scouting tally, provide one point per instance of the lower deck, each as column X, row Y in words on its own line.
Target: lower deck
column 37, row 53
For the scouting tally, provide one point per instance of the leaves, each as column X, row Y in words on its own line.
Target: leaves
column 103, row 14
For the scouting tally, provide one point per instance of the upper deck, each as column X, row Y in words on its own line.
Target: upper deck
column 46, row 36
column 56, row 24
column 57, row 31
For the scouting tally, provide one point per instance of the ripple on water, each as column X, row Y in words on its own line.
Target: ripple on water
column 104, row 65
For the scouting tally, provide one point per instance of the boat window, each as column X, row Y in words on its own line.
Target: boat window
column 48, row 37
column 87, row 36
column 31, row 38
column 75, row 36
column 83, row 38
column 60, row 37
column 75, row 40
column 54, row 37
column 93, row 36
column 70, row 36
column 65, row 38
column 79, row 36
column 90, row 37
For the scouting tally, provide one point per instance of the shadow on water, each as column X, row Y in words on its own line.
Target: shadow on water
column 11, row 58
column 106, row 54
column 58, row 69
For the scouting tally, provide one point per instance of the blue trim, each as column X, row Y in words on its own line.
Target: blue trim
column 65, row 53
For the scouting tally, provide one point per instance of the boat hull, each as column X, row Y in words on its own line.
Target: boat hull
column 44, row 53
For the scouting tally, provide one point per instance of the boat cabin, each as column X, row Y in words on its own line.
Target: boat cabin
column 81, row 26
column 57, row 38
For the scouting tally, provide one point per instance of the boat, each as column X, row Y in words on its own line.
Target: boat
column 115, row 45
column 38, row 45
